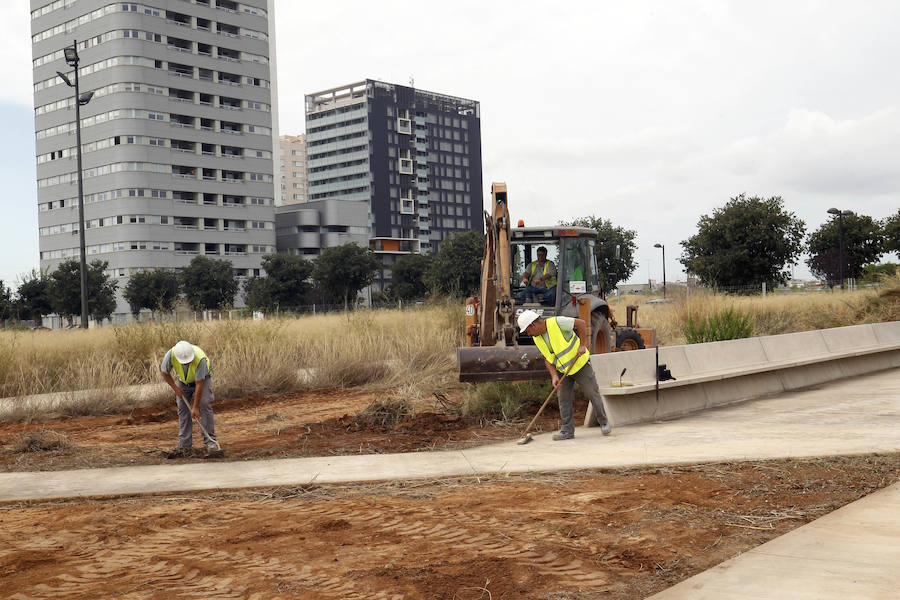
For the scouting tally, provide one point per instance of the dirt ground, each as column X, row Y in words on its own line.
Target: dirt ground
column 623, row 533
column 318, row 423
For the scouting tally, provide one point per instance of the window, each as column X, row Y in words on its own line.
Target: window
column 406, row 203
column 403, row 121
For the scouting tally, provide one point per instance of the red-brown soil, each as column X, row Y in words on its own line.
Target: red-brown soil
column 318, row 423
column 595, row 534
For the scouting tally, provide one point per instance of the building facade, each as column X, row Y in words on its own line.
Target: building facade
column 292, row 155
column 177, row 139
column 305, row 229
column 412, row 157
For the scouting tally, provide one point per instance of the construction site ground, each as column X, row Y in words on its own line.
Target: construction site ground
column 623, row 532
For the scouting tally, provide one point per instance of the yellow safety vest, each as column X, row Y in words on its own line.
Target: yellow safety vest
column 562, row 353
column 191, row 376
column 550, row 282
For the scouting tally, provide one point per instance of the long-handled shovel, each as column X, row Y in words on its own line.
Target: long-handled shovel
column 218, row 452
column 526, row 436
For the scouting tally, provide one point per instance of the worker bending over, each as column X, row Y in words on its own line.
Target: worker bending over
column 564, row 343
column 193, row 391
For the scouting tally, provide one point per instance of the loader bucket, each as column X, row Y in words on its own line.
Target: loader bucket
column 500, row 363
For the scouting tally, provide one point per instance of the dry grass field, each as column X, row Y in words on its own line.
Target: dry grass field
column 412, row 350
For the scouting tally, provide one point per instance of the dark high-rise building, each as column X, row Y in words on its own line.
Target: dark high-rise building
column 413, row 156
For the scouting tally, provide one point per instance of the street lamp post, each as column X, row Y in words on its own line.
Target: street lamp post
column 663, row 246
column 71, row 55
column 840, row 215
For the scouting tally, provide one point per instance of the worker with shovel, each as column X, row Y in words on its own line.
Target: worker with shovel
column 564, row 343
column 193, row 395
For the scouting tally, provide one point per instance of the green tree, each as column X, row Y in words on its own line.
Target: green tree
column 863, row 244
column 208, row 283
column 6, row 301
column 156, row 290
column 408, row 277
column 285, row 285
column 891, row 226
column 749, row 241
column 456, row 268
column 613, row 269
column 873, row 273
column 65, row 289
column 342, row 271
column 33, row 297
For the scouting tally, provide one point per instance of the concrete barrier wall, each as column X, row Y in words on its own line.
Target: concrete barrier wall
column 719, row 373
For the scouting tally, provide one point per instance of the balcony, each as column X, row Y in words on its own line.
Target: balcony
column 179, row 19
column 184, row 172
column 182, row 146
column 186, row 249
column 228, row 54
column 186, row 223
column 184, row 197
column 227, row 30
column 229, row 79
column 229, row 103
column 180, row 45
column 234, row 202
column 227, row 6
column 181, row 70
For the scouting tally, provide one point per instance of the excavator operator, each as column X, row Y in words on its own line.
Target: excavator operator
column 540, row 280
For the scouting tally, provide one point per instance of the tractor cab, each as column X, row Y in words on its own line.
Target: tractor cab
column 563, row 257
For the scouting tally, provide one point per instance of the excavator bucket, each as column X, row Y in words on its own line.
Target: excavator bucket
column 500, row 363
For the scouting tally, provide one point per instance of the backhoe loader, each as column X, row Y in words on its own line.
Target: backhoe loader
column 494, row 349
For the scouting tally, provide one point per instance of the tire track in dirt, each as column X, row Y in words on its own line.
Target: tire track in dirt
column 92, row 560
column 470, row 538
column 179, row 559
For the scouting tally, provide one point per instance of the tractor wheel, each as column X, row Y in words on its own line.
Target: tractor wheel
column 601, row 333
column 628, row 339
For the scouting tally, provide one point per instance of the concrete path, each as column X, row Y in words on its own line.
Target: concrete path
column 852, row 552
column 847, row 417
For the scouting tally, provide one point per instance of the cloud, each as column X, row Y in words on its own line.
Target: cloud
column 815, row 153
column 647, row 145
column 15, row 31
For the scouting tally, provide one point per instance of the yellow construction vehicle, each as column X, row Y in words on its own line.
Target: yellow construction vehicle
column 494, row 350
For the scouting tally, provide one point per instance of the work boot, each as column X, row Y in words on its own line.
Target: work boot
column 563, row 435
column 180, row 452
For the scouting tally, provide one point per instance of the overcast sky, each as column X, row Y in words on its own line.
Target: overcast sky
column 649, row 114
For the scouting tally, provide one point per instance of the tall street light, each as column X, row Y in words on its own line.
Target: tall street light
column 663, row 246
column 71, row 54
column 840, row 215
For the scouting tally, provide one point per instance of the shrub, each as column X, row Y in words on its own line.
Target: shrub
column 388, row 411
column 727, row 324
column 45, row 440
column 505, row 401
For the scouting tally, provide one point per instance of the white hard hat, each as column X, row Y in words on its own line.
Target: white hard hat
column 526, row 318
column 184, row 352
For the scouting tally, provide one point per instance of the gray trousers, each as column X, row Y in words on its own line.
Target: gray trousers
column 588, row 384
column 186, row 422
